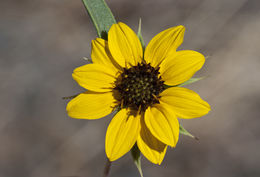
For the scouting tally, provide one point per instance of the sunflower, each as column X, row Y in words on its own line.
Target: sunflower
column 141, row 87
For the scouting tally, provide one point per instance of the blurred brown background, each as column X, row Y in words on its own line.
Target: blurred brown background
column 42, row 41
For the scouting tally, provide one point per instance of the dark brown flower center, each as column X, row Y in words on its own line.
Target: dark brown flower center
column 139, row 86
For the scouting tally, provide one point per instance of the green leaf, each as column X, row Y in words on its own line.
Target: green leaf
column 191, row 80
column 100, row 15
column 136, row 154
column 185, row 132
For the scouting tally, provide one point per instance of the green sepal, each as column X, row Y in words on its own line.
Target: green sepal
column 139, row 34
column 185, row 132
column 100, row 15
column 136, row 154
column 191, row 80
column 70, row 97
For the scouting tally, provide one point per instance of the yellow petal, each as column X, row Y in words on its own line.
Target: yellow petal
column 95, row 77
column 153, row 149
column 184, row 102
column 181, row 66
column 91, row 105
column 124, row 45
column 100, row 54
column 163, row 44
column 121, row 134
column 163, row 123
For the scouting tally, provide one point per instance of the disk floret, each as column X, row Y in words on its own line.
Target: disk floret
column 139, row 86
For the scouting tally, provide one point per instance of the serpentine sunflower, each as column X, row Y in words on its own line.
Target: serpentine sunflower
column 137, row 82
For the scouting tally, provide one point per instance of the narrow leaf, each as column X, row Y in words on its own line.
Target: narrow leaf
column 185, row 132
column 100, row 15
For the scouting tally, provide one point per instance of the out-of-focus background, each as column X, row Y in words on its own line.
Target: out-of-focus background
column 41, row 42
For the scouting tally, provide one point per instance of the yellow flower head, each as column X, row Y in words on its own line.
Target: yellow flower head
column 126, row 77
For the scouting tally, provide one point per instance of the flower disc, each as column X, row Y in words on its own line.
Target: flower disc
column 139, row 86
